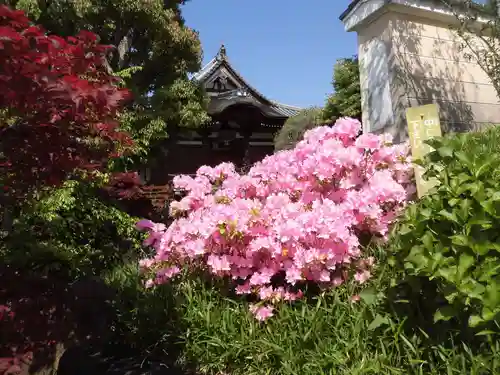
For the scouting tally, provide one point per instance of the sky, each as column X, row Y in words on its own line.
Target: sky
column 286, row 49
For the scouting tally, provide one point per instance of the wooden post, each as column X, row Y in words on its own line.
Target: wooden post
column 246, row 151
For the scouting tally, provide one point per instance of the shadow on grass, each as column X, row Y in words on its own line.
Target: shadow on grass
column 53, row 325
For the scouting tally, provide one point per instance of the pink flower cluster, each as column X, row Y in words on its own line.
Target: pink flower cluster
column 296, row 217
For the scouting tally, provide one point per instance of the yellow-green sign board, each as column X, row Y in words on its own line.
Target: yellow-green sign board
column 423, row 124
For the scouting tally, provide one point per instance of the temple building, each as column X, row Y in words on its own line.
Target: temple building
column 242, row 128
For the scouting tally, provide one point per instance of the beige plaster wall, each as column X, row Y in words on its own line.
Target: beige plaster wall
column 374, row 48
column 431, row 65
column 409, row 60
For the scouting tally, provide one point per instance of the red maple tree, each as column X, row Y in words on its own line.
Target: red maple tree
column 139, row 198
column 58, row 106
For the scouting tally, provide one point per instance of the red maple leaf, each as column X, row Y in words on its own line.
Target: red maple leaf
column 59, row 96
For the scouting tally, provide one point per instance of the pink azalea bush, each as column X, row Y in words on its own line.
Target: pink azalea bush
column 296, row 217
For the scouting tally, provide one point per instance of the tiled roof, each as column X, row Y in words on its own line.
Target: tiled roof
column 206, row 70
column 221, row 60
column 285, row 110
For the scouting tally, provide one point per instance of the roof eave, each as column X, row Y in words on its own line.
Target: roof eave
column 350, row 7
column 206, row 72
column 360, row 12
column 206, row 69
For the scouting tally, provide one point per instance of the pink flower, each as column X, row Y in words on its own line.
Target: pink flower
column 293, row 217
column 293, row 274
column 148, row 225
column 218, row 263
column 144, row 225
column 355, row 298
column 266, row 292
column 168, row 272
column 369, row 141
column 145, row 264
column 243, row 289
column 348, row 127
column 261, row 313
column 362, row 276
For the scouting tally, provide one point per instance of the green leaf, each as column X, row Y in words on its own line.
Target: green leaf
column 488, row 314
column 436, row 143
column 484, row 247
column 465, row 207
column 464, row 158
column 428, row 240
column 369, row 295
column 417, row 257
column 489, row 269
column 486, row 333
column 404, row 229
column 460, row 239
column 378, row 322
column 473, row 289
column 485, row 168
column 448, row 273
column 420, row 162
column 463, row 178
column 489, row 207
column 464, row 263
column 451, row 216
column 472, row 187
column 492, row 295
column 445, row 151
column 437, row 261
column 484, row 222
column 475, row 320
column 426, row 213
column 444, row 313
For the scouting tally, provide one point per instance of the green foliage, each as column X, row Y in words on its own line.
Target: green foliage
column 344, row 102
column 200, row 323
column 452, row 236
column 149, row 34
column 346, row 98
column 71, row 230
column 174, row 103
column 148, row 123
column 145, row 318
column 329, row 334
column 155, row 52
column 30, row 7
column 294, row 128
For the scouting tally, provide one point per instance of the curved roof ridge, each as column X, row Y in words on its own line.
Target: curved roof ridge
column 287, row 105
column 205, row 69
column 222, row 59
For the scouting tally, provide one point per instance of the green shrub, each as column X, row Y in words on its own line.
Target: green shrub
column 451, row 237
column 72, row 230
column 329, row 334
column 145, row 318
column 294, row 128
